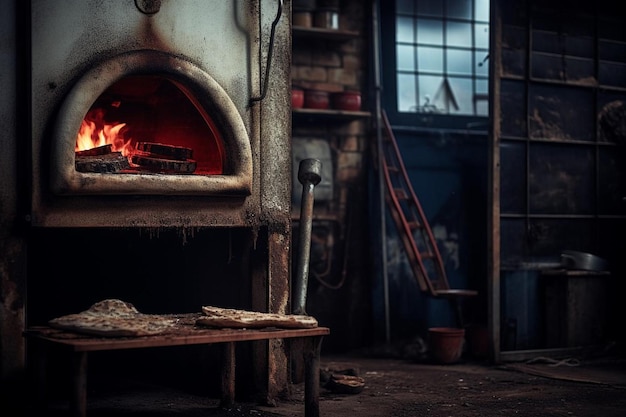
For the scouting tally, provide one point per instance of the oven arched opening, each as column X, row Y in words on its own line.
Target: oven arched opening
column 226, row 171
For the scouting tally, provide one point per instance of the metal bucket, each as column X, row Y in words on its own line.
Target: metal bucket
column 582, row 261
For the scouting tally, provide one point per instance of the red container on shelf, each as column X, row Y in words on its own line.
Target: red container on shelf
column 346, row 100
column 297, row 98
column 316, row 99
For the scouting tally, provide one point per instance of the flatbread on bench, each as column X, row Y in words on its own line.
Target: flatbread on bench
column 114, row 318
column 228, row 317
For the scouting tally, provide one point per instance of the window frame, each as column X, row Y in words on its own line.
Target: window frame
column 389, row 74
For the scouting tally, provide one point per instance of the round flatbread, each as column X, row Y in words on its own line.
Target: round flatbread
column 228, row 317
column 114, row 318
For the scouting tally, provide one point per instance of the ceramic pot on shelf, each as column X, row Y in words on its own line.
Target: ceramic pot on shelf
column 346, row 100
column 316, row 99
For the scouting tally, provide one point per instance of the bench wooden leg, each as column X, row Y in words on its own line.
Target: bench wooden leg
column 78, row 403
column 38, row 362
column 312, row 347
column 228, row 375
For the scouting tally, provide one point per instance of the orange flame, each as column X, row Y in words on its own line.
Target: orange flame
column 90, row 135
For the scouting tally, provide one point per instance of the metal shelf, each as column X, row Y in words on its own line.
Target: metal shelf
column 315, row 114
column 323, row 33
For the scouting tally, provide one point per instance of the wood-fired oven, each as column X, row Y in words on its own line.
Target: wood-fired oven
column 152, row 142
column 171, row 86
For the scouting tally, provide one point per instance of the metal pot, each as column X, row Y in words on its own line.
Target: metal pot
column 582, row 261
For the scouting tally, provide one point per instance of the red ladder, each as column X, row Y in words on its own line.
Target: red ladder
column 413, row 227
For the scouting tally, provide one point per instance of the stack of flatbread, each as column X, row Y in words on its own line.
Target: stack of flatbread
column 114, row 318
column 117, row 318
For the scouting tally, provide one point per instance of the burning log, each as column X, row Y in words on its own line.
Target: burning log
column 159, row 150
column 101, row 160
column 107, row 163
column 164, row 158
column 163, row 165
column 99, row 150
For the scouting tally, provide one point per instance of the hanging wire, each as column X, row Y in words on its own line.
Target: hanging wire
column 270, row 52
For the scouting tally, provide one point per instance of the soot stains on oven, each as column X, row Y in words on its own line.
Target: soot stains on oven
column 180, row 77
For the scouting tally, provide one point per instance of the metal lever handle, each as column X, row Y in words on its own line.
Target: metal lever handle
column 309, row 175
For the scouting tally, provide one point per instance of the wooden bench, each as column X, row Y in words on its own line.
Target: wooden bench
column 44, row 338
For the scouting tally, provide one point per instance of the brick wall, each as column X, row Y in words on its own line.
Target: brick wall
column 333, row 66
column 341, row 65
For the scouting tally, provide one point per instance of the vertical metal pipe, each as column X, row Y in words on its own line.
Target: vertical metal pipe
column 309, row 175
column 381, row 181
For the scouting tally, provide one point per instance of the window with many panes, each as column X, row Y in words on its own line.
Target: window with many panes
column 441, row 57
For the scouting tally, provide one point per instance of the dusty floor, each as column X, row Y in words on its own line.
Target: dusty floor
column 403, row 388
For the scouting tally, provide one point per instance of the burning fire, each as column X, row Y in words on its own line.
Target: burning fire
column 94, row 132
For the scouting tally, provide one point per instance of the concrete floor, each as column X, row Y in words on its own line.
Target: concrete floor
column 402, row 388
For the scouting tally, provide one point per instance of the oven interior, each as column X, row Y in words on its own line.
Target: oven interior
column 153, row 124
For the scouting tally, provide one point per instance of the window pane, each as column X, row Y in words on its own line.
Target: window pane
column 482, row 107
column 482, row 63
column 406, row 58
column 430, row 7
column 459, row 62
column 405, row 6
column 513, row 177
column 512, row 112
column 430, row 60
column 405, row 30
column 459, row 34
column 430, row 31
column 481, row 36
column 427, row 89
column 482, row 86
column 551, row 116
column 464, row 95
column 459, row 9
column 612, row 74
column 612, row 184
column 559, row 180
column 481, row 98
column 406, row 93
column 481, row 10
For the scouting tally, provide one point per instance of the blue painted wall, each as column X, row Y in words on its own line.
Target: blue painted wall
column 448, row 172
